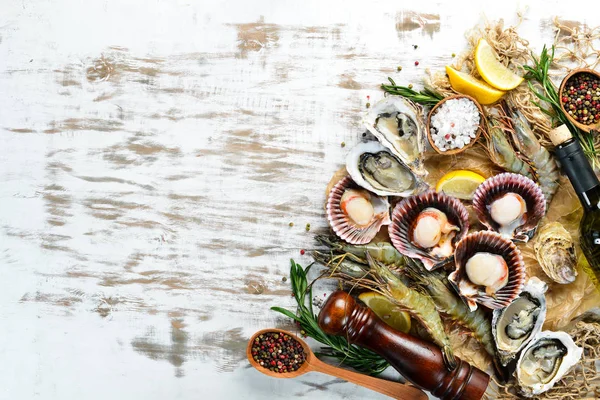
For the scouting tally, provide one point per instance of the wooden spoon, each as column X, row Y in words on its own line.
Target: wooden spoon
column 313, row 364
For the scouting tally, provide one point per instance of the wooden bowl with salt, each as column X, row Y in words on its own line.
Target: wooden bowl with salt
column 477, row 133
column 583, row 127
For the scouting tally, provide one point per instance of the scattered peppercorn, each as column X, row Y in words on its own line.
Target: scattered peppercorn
column 453, row 55
column 368, row 105
column 581, row 98
column 416, row 63
column 284, row 279
column 343, row 144
column 278, row 352
column 291, row 224
column 302, row 252
column 415, row 46
column 410, row 86
column 399, row 68
column 307, row 227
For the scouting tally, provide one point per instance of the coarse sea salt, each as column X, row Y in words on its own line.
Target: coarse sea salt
column 454, row 124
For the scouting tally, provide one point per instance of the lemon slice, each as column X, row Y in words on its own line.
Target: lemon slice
column 460, row 184
column 479, row 90
column 387, row 311
column 492, row 70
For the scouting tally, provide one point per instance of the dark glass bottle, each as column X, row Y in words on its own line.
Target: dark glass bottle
column 587, row 186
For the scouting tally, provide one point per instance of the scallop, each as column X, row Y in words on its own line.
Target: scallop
column 428, row 226
column 510, row 204
column 375, row 168
column 489, row 270
column 355, row 214
column 516, row 325
column 545, row 360
column 399, row 124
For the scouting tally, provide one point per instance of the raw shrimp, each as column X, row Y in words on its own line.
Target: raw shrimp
column 500, row 150
column 382, row 251
column 541, row 160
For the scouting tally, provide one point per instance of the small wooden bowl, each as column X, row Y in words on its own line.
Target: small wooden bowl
column 477, row 134
column 583, row 127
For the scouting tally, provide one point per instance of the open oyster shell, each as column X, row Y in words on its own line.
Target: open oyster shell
column 494, row 244
column 545, row 360
column 399, row 124
column 555, row 251
column 496, row 188
column 344, row 226
column 514, row 326
column 405, row 215
column 377, row 169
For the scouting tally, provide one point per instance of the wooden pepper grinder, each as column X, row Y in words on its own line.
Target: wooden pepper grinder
column 418, row 361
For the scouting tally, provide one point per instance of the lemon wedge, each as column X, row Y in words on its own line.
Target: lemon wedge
column 479, row 90
column 460, row 183
column 492, row 70
column 387, row 311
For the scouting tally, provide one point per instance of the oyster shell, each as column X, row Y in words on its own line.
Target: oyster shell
column 514, row 326
column 377, row 169
column 399, row 125
column 453, row 220
column 545, row 360
column 355, row 214
column 555, row 251
column 510, row 204
column 491, row 243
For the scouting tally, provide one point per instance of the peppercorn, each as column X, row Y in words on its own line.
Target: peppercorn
column 281, row 348
column 291, row 224
column 343, row 144
column 580, row 98
column 416, row 63
column 399, row 68
column 410, row 86
column 307, row 227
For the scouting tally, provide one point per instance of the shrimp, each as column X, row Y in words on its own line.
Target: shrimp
column 381, row 251
column 378, row 277
column 542, row 162
column 500, row 150
column 418, row 304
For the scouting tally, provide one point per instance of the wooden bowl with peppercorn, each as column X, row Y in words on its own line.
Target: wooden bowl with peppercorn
column 580, row 98
column 457, row 122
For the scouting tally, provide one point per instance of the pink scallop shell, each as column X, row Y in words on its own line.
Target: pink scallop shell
column 405, row 214
column 496, row 186
column 342, row 225
column 490, row 242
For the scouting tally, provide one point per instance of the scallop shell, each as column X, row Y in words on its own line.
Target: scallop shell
column 490, row 242
column 405, row 214
column 499, row 185
column 568, row 360
column 405, row 174
column 343, row 226
column 409, row 147
column 532, row 294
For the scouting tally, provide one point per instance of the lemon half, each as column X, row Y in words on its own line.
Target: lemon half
column 387, row 311
column 460, row 184
column 492, row 70
column 479, row 90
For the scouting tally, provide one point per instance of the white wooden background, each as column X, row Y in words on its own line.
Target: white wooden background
column 152, row 154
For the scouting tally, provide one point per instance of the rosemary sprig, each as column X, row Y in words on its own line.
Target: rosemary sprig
column 550, row 95
column 426, row 96
column 356, row 357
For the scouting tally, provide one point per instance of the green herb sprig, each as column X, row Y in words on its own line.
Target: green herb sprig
column 426, row 96
column 356, row 357
column 549, row 94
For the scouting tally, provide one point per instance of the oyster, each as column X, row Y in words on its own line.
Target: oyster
column 489, row 270
column 399, row 125
column 355, row 214
column 555, row 251
column 377, row 169
column 514, row 326
column 545, row 360
column 510, row 204
column 428, row 226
